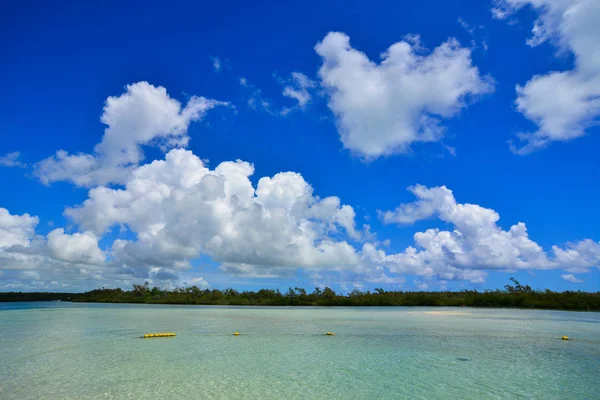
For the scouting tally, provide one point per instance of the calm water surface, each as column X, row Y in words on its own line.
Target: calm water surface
column 92, row 351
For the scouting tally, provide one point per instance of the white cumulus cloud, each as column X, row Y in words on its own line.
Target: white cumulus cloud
column 179, row 209
column 16, row 230
column 563, row 104
column 26, row 256
column 144, row 115
column 475, row 244
column 382, row 108
column 75, row 248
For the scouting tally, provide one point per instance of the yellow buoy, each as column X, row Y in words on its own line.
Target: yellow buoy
column 565, row 338
column 330, row 334
column 152, row 335
column 236, row 333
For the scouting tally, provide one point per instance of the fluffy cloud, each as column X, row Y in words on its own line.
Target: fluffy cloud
column 577, row 257
column 23, row 254
column 382, row 108
column 16, row 230
column 357, row 277
column 174, row 210
column 477, row 242
column 76, row 248
column 144, row 115
column 30, row 260
column 171, row 284
column 179, row 209
column 11, row 160
column 563, row 104
column 571, row 278
column 415, row 262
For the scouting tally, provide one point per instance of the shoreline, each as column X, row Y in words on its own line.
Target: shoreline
column 514, row 297
column 318, row 306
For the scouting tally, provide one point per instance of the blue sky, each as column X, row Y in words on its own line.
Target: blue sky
column 486, row 111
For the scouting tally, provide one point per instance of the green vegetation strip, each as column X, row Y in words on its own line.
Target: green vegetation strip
column 515, row 295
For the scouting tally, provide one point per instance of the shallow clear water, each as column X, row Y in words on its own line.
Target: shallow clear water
column 81, row 351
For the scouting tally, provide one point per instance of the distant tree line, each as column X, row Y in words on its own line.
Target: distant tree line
column 515, row 295
column 36, row 296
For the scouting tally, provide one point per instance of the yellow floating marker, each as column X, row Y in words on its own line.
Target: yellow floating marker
column 565, row 338
column 330, row 334
column 153, row 335
column 236, row 334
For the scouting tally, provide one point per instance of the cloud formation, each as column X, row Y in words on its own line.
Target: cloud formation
column 382, row 108
column 563, row 104
column 11, row 160
column 571, row 278
column 299, row 88
column 172, row 211
column 16, row 230
column 475, row 244
column 76, row 248
column 59, row 261
column 27, row 259
column 179, row 209
column 144, row 115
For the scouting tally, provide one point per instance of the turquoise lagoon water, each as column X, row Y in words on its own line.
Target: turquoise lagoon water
column 93, row 351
